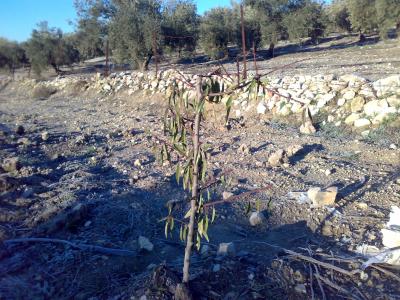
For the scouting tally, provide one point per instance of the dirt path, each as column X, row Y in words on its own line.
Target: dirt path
column 99, row 154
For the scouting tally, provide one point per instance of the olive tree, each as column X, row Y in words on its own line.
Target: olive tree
column 388, row 15
column 180, row 25
column 307, row 20
column 362, row 15
column 134, row 28
column 48, row 47
column 214, row 32
column 91, row 26
column 12, row 55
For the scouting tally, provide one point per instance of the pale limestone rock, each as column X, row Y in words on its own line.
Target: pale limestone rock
column 307, row 128
column 225, row 249
column 357, row 104
column 341, row 101
column 277, row 158
column 349, row 94
column 320, row 197
column 351, row 118
column 145, row 244
column 375, row 107
column 261, row 108
column 362, row 123
column 386, row 85
column 393, row 101
column 256, row 218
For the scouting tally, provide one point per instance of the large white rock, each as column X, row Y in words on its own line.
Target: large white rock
column 349, row 94
column 393, row 101
column 375, row 107
column 350, row 119
column 386, row 85
column 362, row 122
column 357, row 104
column 261, row 108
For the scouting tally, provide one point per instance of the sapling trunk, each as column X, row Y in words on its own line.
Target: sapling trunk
column 195, row 185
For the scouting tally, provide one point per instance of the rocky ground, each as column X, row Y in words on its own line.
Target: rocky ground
column 81, row 168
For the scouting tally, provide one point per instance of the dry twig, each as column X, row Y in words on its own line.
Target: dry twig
column 83, row 247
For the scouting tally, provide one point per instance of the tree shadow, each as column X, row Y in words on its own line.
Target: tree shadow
column 304, row 151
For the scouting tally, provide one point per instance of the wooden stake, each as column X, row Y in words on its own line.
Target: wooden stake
column 243, row 43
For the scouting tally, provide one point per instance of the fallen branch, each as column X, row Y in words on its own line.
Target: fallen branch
column 236, row 197
column 320, row 263
column 390, row 274
column 83, row 247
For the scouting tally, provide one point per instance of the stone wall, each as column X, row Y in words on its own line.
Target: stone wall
column 345, row 100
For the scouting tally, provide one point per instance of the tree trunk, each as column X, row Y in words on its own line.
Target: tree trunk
column 56, row 69
column 184, row 289
column 361, row 37
column 145, row 65
column 271, row 50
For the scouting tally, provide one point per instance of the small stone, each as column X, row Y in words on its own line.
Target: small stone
column 362, row 205
column 261, row 108
column 341, row 102
column 328, row 172
column 293, row 150
column 226, row 195
column 45, row 136
column 216, row 268
column 321, row 197
column 256, row 218
column 145, row 244
column 277, row 158
column 392, row 146
column 11, row 164
column 307, row 128
column 244, row 149
column 300, row 288
column 87, row 223
column 226, row 249
column 205, row 250
column 137, row 163
column 20, row 130
column 326, row 230
column 28, row 192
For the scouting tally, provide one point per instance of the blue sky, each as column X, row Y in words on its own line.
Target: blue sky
column 19, row 17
